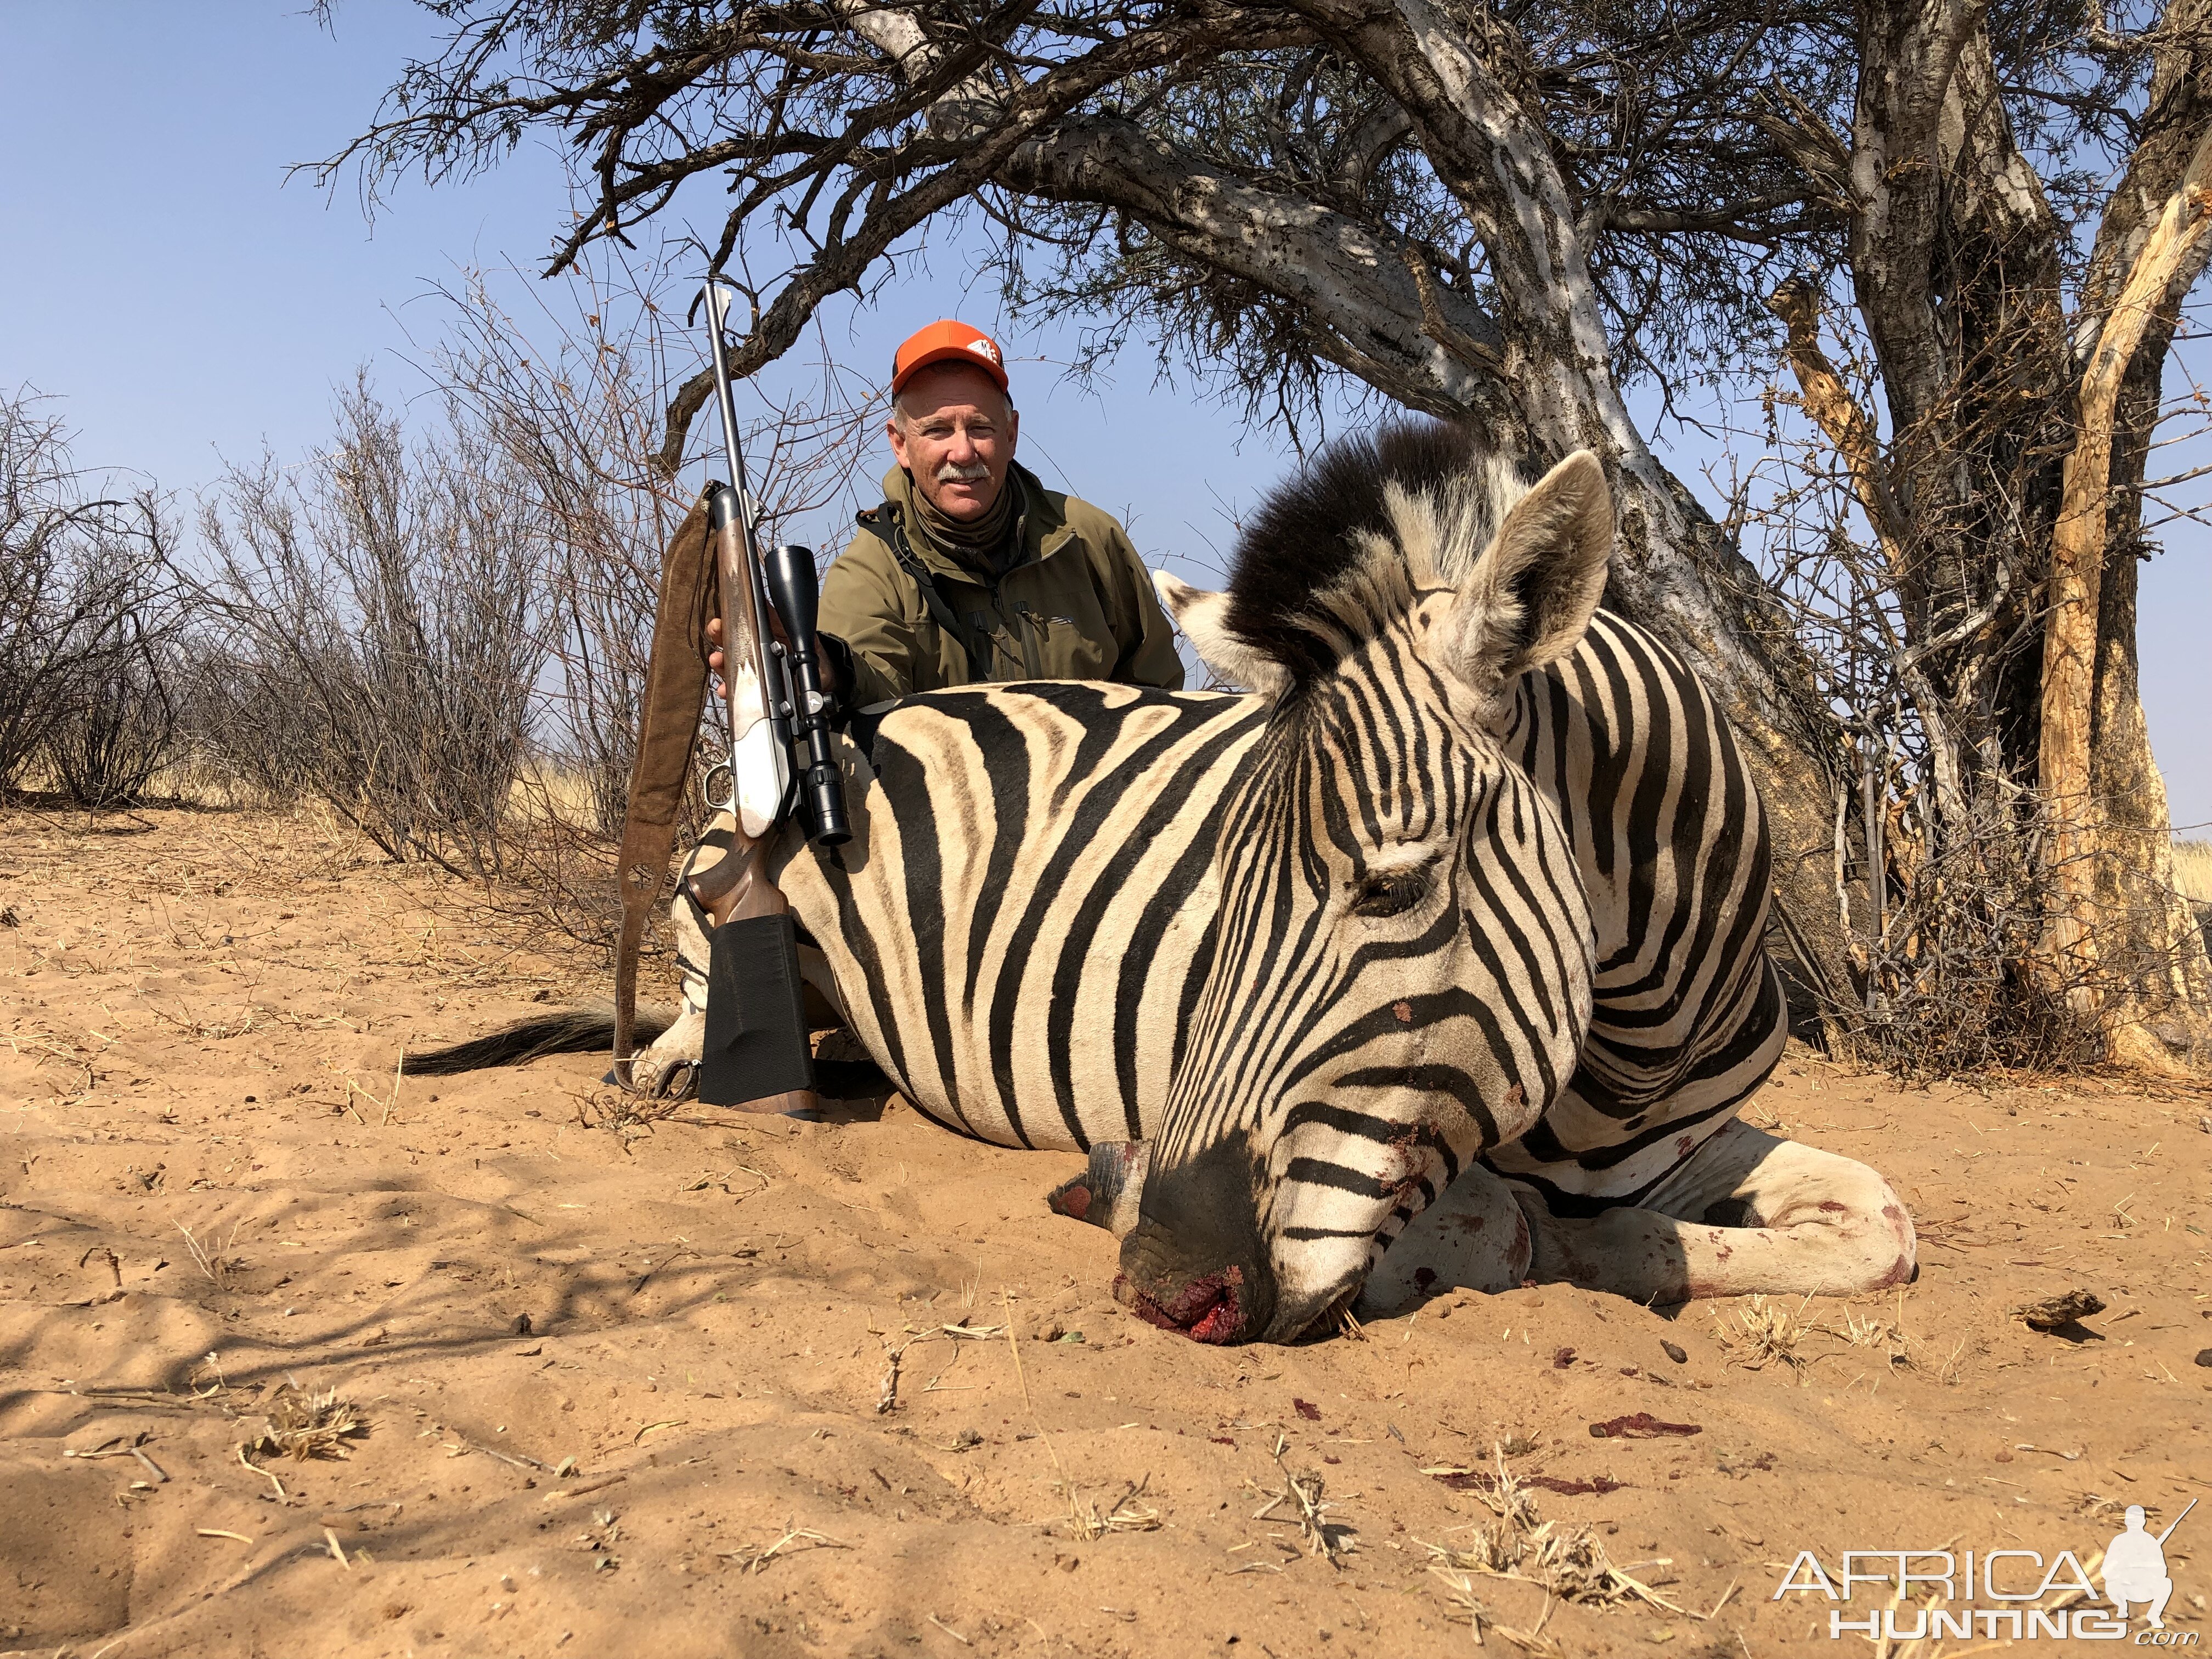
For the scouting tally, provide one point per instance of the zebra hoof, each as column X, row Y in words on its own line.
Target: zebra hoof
column 674, row 1081
column 1107, row 1194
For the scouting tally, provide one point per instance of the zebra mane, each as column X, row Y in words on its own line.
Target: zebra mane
column 1336, row 554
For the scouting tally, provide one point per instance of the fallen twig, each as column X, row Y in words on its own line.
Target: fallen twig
column 755, row 1561
column 603, row 1482
column 521, row 1460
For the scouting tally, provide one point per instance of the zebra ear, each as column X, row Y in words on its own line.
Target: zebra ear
column 1204, row 617
column 1533, row 589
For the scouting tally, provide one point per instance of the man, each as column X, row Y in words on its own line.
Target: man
column 971, row 570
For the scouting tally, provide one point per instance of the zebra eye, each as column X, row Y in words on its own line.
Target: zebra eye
column 1388, row 894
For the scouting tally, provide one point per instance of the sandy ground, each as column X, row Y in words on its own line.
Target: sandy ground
column 622, row 1385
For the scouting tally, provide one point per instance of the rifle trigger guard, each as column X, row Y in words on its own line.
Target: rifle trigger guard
column 706, row 788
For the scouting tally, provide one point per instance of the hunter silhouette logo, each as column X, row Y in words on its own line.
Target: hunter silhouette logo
column 2134, row 1567
column 1931, row 1592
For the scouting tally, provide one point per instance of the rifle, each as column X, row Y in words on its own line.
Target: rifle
column 2177, row 1520
column 756, row 1053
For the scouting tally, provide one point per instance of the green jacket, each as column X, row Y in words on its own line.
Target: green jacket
column 1077, row 605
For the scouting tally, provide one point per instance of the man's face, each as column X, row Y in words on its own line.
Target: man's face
column 954, row 430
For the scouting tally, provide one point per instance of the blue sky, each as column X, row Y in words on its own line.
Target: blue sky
column 188, row 304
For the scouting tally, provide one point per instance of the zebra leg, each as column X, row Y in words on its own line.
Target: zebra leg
column 668, row 1067
column 1472, row 1238
column 1747, row 1212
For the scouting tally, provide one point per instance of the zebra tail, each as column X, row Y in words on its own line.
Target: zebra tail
column 571, row 1031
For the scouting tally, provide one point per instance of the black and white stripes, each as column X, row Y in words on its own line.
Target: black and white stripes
column 1026, row 909
column 1689, row 1017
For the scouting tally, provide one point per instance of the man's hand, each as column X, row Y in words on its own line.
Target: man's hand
column 824, row 662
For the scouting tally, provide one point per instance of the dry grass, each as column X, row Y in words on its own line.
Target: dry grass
column 2192, row 870
column 214, row 1260
column 1570, row 1562
column 1302, row 1492
column 1878, row 1330
column 1765, row 1332
column 562, row 790
column 55, row 1049
column 754, row 1560
column 301, row 1425
column 1128, row 1513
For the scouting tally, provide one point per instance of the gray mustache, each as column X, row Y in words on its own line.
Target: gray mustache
column 953, row 472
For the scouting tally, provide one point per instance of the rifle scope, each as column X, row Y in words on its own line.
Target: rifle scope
column 792, row 588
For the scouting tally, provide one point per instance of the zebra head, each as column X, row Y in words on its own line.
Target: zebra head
column 1401, row 974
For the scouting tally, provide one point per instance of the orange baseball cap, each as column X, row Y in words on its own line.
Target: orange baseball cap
column 948, row 341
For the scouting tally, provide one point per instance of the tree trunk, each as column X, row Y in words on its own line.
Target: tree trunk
column 2161, row 964
column 1954, row 257
column 2167, row 262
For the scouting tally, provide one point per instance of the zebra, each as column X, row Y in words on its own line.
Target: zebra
column 1459, row 738
column 1432, row 961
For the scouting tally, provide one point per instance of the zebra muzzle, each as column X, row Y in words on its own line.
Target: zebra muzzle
column 1207, row 1309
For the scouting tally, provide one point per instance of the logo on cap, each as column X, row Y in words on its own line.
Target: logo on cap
column 983, row 347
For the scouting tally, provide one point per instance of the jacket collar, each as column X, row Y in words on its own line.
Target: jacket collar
column 1041, row 524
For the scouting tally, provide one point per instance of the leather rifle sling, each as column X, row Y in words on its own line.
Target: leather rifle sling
column 667, row 737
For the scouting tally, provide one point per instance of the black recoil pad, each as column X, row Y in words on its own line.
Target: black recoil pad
column 756, row 1035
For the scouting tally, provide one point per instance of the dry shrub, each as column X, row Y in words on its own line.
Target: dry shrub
column 574, row 404
column 121, row 730
column 1944, row 874
column 1950, row 990
column 235, row 741
column 574, row 415
column 300, row 1424
column 87, row 619
column 370, row 633
column 440, row 629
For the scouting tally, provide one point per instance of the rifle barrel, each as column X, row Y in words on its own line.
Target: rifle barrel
column 2177, row 1520
column 725, row 403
